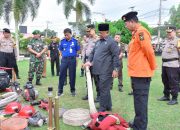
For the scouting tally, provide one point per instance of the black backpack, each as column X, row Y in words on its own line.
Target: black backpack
column 4, row 80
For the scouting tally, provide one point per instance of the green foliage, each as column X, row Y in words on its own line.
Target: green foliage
column 80, row 7
column 119, row 27
column 49, row 32
column 175, row 16
column 20, row 9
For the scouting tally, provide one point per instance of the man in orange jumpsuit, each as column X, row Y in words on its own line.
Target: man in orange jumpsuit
column 141, row 65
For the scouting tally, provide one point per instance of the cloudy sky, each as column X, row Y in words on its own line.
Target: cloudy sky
column 110, row 9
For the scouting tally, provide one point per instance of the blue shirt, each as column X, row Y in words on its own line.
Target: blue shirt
column 69, row 48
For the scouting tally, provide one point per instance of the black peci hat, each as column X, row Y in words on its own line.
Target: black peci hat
column 129, row 16
column 103, row 27
column 6, row 30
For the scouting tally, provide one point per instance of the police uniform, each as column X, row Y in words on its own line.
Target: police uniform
column 170, row 67
column 36, row 64
column 86, row 52
column 141, row 66
column 68, row 50
column 6, row 52
column 54, row 54
column 104, row 59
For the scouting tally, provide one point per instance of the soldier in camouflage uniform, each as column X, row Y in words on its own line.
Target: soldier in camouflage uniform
column 37, row 48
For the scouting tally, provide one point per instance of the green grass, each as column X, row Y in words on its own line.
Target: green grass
column 161, row 116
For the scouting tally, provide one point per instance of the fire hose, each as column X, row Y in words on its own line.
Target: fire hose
column 7, row 98
column 79, row 116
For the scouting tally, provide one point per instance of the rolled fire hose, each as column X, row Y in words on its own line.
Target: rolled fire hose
column 79, row 116
column 7, row 98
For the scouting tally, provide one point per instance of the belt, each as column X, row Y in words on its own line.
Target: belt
column 5, row 53
column 172, row 59
column 69, row 57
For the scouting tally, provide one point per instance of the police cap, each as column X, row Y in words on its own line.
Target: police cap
column 36, row 32
column 103, row 27
column 129, row 16
column 6, row 30
column 171, row 28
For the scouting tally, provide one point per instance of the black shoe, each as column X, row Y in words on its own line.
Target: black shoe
column 73, row 94
column 85, row 97
column 38, row 82
column 131, row 124
column 109, row 109
column 18, row 77
column 43, row 76
column 97, row 99
column 131, row 93
column 172, row 102
column 164, row 98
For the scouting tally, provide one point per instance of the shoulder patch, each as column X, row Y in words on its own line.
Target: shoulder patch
column 141, row 36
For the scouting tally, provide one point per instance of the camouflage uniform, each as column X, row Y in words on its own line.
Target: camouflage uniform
column 36, row 64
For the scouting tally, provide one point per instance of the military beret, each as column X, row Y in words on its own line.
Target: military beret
column 6, row 30
column 171, row 28
column 36, row 32
column 129, row 16
column 103, row 27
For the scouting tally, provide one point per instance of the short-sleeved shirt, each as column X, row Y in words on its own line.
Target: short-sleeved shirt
column 69, row 48
column 37, row 45
column 170, row 51
column 6, row 45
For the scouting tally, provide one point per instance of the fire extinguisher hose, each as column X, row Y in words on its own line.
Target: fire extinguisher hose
column 7, row 98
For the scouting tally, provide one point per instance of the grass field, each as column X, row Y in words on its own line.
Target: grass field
column 161, row 116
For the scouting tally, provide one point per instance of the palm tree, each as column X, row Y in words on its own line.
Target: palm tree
column 19, row 9
column 78, row 6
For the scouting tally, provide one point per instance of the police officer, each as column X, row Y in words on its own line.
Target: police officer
column 7, row 57
column 170, row 67
column 54, row 55
column 105, row 62
column 68, row 47
column 90, row 43
column 37, row 48
column 141, row 66
column 117, row 38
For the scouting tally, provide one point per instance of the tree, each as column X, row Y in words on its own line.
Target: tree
column 119, row 27
column 49, row 32
column 19, row 9
column 78, row 6
column 175, row 16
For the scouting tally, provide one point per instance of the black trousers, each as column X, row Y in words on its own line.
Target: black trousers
column 7, row 60
column 16, row 68
column 141, row 92
column 170, row 79
column 104, row 82
column 55, row 60
column 70, row 64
